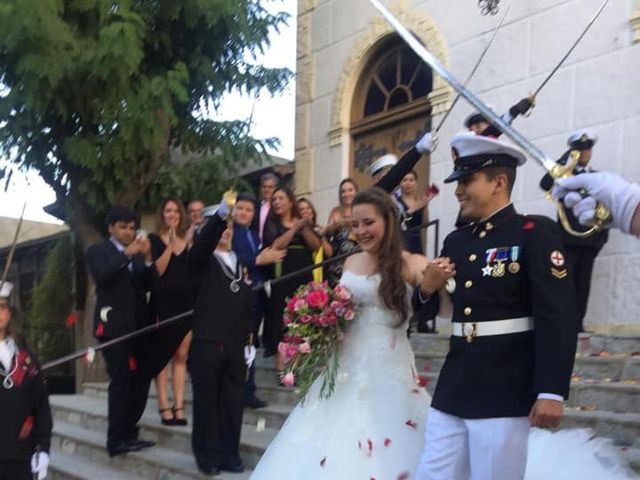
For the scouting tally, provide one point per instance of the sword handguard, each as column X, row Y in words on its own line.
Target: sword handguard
column 603, row 214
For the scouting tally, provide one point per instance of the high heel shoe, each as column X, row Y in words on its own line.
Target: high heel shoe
column 176, row 420
column 167, row 421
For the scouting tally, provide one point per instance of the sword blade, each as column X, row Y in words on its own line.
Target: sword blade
column 473, row 71
column 573, row 47
column 529, row 148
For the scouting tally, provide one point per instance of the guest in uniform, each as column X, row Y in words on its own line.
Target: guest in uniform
column 581, row 251
column 121, row 268
column 246, row 246
column 514, row 339
column 172, row 295
column 218, row 357
column 25, row 417
column 286, row 230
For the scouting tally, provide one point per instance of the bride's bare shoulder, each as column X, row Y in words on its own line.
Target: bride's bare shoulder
column 356, row 263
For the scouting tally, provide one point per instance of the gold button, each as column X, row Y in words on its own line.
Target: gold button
column 472, row 257
column 468, row 284
column 488, row 226
column 467, row 311
column 482, row 234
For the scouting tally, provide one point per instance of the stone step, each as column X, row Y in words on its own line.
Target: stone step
column 64, row 466
column 623, row 428
column 610, row 343
column 151, row 463
column 83, row 411
column 618, row 397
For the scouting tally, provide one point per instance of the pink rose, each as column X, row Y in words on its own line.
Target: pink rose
column 335, row 304
column 289, row 379
column 299, row 305
column 340, row 311
column 318, row 299
column 287, row 319
column 291, row 304
column 304, row 347
column 305, row 318
column 350, row 314
column 282, row 348
column 342, row 293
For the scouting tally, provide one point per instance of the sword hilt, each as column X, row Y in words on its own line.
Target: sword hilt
column 602, row 213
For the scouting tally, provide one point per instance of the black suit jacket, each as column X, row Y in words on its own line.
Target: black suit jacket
column 501, row 375
column 122, row 294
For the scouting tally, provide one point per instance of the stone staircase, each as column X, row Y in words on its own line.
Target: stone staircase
column 605, row 396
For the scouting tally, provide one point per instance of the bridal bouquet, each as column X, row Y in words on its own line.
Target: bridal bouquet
column 315, row 317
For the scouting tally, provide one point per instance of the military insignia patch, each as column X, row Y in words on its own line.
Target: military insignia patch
column 559, row 273
column 557, row 258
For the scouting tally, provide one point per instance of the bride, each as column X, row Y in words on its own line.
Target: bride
column 372, row 428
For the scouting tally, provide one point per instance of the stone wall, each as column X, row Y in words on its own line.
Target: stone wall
column 597, row 88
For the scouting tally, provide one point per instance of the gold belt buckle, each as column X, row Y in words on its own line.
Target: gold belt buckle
column 470, row 332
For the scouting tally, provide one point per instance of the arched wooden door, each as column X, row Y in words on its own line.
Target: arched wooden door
column 390, row 109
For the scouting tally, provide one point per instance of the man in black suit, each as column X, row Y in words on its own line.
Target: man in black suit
column 246, row 245
column 121, row 269
column 514, row 316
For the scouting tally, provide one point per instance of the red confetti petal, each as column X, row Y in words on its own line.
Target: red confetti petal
column 411, row 423
column 387, row 442
column 71, row 320
column 359, row 445
column 99, row 330
column 369, row 445
column 323, row 461
column 427, row 367
column 422, row 381
column 415, row 391
column 530, row 225
column 403, row 476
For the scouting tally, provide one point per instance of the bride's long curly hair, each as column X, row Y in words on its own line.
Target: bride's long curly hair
column 392, row 289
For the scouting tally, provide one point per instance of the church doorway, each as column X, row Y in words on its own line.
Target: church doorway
column 390, row 109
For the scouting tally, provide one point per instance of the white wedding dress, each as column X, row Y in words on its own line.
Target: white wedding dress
column 372, row 427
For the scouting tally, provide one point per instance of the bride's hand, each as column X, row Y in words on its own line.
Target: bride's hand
column 436, row 274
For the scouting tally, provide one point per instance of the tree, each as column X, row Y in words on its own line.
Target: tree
column 96, row 94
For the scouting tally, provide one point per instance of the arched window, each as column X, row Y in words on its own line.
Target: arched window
column 398, row 78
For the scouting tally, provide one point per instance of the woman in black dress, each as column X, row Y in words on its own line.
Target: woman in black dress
column 338, row 229
column 413, row 212
column 172, row 294
column 286, row 230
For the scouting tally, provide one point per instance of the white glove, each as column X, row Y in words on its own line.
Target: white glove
column 39, row 464
column 617, row 194
column 249, row 354
column 426, row 144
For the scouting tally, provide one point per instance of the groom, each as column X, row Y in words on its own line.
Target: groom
column 514, row 324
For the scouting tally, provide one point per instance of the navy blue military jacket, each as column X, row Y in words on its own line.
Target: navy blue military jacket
column 508, row 266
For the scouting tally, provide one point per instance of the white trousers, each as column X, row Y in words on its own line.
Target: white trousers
column 479, row 449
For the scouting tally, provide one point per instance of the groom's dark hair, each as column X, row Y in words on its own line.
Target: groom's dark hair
column 392, row 289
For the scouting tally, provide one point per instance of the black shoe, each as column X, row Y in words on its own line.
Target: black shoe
column 135, row 445
column 236, row 467
column 167, row 421
column 210, row 472
column 119, row 449
column 255, row 403
column 176, row 420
